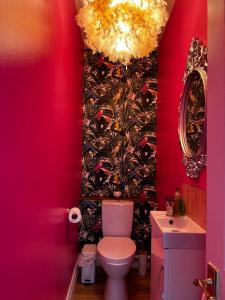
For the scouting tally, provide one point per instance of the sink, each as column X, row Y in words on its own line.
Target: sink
column 177, row 232
column 181, row 224
column 177, row 256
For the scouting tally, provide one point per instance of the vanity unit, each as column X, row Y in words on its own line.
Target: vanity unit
column 177, row 257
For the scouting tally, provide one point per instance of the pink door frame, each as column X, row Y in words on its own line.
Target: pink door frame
column 215, row 251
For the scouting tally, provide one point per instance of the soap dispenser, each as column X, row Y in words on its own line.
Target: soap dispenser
column 180, row 209
column 169, row 207
column 177, row 195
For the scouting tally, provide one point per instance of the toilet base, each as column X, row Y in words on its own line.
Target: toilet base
column 116, row 289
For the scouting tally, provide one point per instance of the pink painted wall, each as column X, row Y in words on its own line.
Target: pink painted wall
column 215, row 242
column 188, row 20
column 40, row 130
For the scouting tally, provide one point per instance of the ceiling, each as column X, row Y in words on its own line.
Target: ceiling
column 170, row 4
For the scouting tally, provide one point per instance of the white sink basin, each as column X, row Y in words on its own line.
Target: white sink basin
column 177, row 232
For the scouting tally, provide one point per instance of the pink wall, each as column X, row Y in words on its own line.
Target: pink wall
column 40, row 130
column 188, row 20
column 215, row 242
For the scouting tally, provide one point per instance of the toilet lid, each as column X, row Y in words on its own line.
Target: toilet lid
column 116, row 247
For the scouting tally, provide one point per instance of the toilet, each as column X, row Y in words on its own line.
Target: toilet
column 116, row 250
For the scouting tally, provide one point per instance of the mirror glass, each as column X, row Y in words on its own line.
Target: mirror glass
column 195, row 112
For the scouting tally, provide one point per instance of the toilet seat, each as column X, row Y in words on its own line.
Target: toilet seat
column 117, row 249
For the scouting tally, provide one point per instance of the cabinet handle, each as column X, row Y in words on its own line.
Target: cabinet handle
column 160, row 275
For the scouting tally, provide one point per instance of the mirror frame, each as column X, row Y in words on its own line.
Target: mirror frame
column 196, row 62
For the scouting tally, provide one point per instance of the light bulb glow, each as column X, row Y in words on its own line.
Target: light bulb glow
column 121, row 45
column 122, row 29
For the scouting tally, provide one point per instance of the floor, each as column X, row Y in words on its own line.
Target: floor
column 138, row 287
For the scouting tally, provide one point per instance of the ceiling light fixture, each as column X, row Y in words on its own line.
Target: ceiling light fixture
column 122, row 29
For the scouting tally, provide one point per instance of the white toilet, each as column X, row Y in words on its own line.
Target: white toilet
column 116, row 250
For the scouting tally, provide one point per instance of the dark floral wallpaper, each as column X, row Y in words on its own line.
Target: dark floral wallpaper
column 119, row 136
column 119, row 141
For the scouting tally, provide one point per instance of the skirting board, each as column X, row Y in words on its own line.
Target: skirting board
column 73, row 282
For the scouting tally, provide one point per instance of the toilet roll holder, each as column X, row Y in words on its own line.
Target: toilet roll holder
column 74, row 216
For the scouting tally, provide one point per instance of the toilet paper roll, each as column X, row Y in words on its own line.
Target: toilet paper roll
column 74, row 215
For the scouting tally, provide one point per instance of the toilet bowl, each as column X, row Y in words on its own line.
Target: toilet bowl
column 116, row 255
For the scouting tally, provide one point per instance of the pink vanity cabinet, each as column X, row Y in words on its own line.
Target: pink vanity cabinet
column 174, row 266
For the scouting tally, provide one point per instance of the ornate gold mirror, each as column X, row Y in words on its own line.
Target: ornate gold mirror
column 192, row 121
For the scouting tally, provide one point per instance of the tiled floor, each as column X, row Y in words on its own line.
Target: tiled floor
column 138, row 287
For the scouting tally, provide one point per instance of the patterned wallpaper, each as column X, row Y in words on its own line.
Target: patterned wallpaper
column 119, row 136
column 119, row 141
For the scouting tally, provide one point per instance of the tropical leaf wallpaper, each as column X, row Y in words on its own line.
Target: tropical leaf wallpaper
column 119, row 141
column 119, row 129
